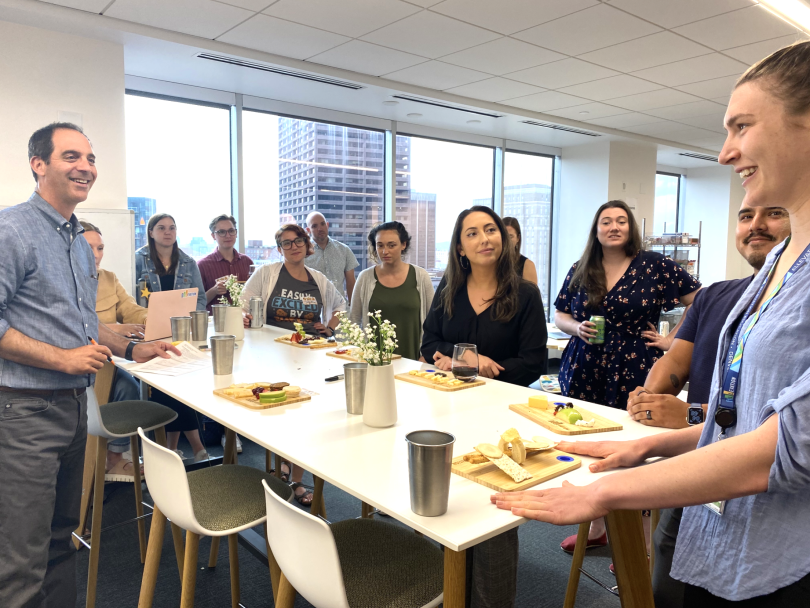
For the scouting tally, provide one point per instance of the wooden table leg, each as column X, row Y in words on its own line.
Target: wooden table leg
column 318, row 502
column 88, row 477
column 95, row 530
column 268, row 461
column 626, row 537
column 576, row 564
column 136, row 460
column 190, row 571
column 655, row 517
column 233, row 565
column 286, row 593
column 152, row 563
column 366, row 511
column 275, row 571
column 455, row 578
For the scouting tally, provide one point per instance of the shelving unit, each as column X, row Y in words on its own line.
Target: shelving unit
column 667, row 245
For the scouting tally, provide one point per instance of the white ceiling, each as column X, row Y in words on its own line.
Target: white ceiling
column 661, row 68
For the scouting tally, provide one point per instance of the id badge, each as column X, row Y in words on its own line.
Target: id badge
column 716, row 507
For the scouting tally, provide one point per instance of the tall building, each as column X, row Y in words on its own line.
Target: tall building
column 531, row 205
column 144, row 208
column 417, row 212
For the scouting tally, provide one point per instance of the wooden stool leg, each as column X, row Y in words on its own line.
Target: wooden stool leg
column 212, row 557
column 655, row 517
column 455, row 578
column 160, row 436
column 229, row 455
column 136, row 463
column 233, row 558
column 88, row 478
column 268, row 461
column 153, row 551
column 286, row 593
column 98, row 507
column 275, row 571
column 279, row 460
column 319, row 504
column 177, row 538
column 190, row 571
column 366, row 511
column 576, row 564
column 626, row 537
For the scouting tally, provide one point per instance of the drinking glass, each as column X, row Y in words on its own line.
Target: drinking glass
column 465, row 362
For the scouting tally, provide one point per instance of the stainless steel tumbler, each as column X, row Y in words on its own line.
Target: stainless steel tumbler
column 219, row 310
column 354, row 375
column 222, row 348
column 199, row 325
column 430, row 457
column 181, row 329
column 256, row 311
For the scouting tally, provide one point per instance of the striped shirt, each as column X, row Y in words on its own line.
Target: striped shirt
column 214, row 266
column 334, row 260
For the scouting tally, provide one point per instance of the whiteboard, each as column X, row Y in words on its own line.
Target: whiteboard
column 118, row 231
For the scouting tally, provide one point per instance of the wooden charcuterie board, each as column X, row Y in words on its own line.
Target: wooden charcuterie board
column 348, row 357
column 253, row 404
column 546, row 419
column 439, row 387
column 289, row 342
column 543, row 466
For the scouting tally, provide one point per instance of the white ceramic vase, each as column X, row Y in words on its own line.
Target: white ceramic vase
column 380, row 401
column 234, row 326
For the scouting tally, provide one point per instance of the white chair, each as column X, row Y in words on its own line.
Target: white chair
column 352, row 563
column 215, row 501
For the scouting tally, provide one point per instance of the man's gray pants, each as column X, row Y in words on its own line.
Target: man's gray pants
column 42, row 442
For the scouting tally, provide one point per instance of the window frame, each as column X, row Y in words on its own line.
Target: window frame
column 677, row 199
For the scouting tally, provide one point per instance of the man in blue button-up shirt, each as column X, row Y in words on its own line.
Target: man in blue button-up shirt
column 47, row 320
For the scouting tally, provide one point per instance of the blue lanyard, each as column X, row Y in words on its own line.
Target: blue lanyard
column 726, row 415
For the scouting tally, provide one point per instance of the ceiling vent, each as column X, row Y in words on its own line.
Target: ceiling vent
column 429, row 102
column 700, row 156
column 548, row 125
column 280, row 71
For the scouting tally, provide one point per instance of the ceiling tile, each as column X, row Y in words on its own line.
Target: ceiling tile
column 271, row 35
column 348, row 17
column 502, row 56
column 588, row 30
column 510, row 16
column 495, row 89
column 710, row 88
column 710, row 143
column 670, row 130
column 607, row 88
column 425, row 3
column 687, row 110
column 91, row 6
column 195, row 17
column 561, row 73
column 589, row 111
column 751, row 53
column 624, row 120
column 745, row 26
column 711, row 122
column 437, row 75
column 250, row 5
column 723, row 100
column 653, row 99
column 429, row 34
column 543, row 102
column 693, row 70
column 367, row 58
column 672, row 13
column 647, row 52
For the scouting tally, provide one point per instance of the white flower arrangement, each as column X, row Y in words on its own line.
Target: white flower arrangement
column 378, row 340
column 235, row 289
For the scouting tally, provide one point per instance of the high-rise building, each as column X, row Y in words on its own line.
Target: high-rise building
column 417, row 212
column 144, row 208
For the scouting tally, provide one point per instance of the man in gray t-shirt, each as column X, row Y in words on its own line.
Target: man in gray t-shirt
column 332, row 258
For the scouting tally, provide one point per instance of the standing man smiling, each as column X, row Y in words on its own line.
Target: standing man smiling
column 332, row 258
column 48, row 289
column 223, row 261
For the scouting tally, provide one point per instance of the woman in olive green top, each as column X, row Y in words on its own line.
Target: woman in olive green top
column 401, row 291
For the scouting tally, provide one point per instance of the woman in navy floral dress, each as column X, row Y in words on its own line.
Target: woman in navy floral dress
column 632, row 288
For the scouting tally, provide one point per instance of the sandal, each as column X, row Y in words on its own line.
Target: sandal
column 285, row 476
column 304, row 499
column 123, row 470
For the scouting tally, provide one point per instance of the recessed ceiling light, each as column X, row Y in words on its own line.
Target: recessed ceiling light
column 795, row 12
column 473, row 122
column 390, row 103
column 584, row 112
column 414, row 115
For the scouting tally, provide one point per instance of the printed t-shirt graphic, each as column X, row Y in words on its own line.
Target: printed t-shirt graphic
column 294, row 301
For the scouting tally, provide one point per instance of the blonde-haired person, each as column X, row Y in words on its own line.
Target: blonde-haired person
column 401, row 291
column 752, row 455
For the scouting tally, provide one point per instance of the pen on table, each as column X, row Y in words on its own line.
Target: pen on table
column 94, row 343
column 334, row 378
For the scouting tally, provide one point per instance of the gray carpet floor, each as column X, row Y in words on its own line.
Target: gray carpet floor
column 542, row 574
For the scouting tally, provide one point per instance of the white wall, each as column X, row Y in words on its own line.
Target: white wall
column 632, row 177
column 43, row 73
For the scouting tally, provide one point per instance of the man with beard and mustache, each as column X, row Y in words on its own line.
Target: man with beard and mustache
column 692, row 357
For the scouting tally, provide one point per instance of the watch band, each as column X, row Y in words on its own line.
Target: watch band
column 128, row 353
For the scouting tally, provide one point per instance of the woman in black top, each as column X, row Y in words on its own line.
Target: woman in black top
column 482, row 301
column 524, row 267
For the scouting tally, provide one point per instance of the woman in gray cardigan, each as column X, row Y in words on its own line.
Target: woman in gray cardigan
column 401, row 291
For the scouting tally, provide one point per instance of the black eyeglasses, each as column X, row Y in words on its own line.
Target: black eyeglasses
column 229, row 232
column 288, row 244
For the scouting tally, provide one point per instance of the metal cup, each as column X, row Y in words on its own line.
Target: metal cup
column 181, row 329
column 218, row 311
column 256, row 306
column 199, row 325
column 222, row 348
column 430, row 457
column 354, row 375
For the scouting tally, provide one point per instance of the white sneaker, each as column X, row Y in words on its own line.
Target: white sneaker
column 238, row 444
column 201, row 455
column 180, row 454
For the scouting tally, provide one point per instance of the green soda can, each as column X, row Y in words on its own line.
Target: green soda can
column 600, row 329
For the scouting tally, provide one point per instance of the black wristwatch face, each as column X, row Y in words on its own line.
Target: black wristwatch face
column 694, row 415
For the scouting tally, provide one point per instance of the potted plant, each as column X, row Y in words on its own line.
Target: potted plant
column 233, row 308
column 377, row 341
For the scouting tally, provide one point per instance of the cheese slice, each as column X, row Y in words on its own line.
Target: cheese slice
column 538, row 402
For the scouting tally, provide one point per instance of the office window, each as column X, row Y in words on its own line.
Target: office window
column 436, row 180
column 667, row 194
column 527, row 192
column 178, row 162
column 284, row 181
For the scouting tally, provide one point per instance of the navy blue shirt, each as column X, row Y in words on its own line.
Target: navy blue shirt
column 702, row 326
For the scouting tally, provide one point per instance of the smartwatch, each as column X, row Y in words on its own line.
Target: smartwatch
column 128, row 353
column 694, row 414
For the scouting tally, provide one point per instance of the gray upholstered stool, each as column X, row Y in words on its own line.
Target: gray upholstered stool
column 216, row 501
column 352, row 564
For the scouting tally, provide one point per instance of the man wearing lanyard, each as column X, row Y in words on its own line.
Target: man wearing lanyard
column 48, row 360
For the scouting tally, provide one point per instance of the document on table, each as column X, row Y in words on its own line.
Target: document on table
column 192, row 360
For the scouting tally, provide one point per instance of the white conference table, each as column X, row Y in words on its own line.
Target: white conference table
column 371, row 463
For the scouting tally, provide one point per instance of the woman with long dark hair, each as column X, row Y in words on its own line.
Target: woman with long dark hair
column 524, row 267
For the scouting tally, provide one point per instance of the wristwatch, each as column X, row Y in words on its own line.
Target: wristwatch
column 694, row 414
column 128, row 353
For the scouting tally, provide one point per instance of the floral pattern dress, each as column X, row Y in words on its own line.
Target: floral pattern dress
column 607, row 373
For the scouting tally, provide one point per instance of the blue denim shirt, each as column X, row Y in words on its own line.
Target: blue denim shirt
column 187, row 275
column 48, row 287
